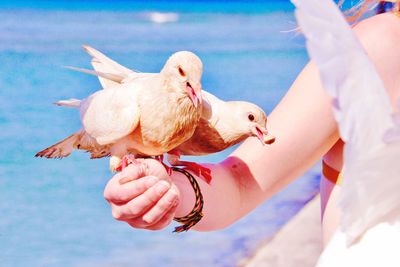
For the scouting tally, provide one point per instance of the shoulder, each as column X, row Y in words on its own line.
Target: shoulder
column 380, row 34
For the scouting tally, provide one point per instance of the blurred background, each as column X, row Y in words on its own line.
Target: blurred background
column 52, row 211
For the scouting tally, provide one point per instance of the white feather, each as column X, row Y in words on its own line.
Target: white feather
column 74, row 103
column 109, row 115
column 108, row 76
column 370, row 196
column 103, row 64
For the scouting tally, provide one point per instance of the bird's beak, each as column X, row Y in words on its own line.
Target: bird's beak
column 194, row 94
column 262, row 134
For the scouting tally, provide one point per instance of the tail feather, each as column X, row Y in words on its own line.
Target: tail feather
column 62, row 149
column 74, row 103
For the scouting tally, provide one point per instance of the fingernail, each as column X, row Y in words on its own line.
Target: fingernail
column 148, row 219
column 162, row 187
column 151, row 180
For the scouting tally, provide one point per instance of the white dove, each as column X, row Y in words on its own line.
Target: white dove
column 222, row 124
column 149, row 115
column 370, row 200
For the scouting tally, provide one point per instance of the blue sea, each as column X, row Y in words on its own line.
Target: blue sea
column 52, row 212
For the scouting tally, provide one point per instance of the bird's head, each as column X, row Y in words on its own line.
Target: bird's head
column 184, row 69
column 253, row 121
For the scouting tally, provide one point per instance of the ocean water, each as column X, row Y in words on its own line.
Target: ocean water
column 52, row 211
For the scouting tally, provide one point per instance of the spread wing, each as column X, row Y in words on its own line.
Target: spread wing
column 362, row 108
column 109, row 115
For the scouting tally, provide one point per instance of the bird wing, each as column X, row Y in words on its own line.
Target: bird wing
column 208, row 98
column 212, row 107
column 109, row 115
column 103, row 64
column 363, row 111
column 79, row 140
column 199, row 142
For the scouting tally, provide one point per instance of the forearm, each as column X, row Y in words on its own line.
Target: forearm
column 221, row 198
column 236, row 190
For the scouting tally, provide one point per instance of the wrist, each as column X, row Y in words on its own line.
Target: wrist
column 192, row 218
column 187, row 196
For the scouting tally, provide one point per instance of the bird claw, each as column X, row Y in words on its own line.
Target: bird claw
column 131, row 159
column 126, row 161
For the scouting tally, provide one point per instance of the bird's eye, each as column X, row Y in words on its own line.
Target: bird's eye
column 251, row 117
column 181, row 72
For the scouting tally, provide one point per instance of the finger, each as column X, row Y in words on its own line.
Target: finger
column 133, row 172
column 141, row 204
column 169, row 200
column 165, row 220
column 162, row 223
column 120, row 194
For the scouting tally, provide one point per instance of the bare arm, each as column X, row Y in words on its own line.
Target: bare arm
column 304, row 128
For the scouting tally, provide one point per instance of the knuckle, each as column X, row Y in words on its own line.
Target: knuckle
column 151, row 199
column 116, row 214
column 160, row 189
column 109, row 191
column 120, row 197
column 107, row 194
column 111, row 195
column 134, row 211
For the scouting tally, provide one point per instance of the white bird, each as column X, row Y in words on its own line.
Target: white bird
column 369, row 233
column 148, row 115
column 222, row 124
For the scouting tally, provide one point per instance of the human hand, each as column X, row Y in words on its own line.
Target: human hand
column 143, row 195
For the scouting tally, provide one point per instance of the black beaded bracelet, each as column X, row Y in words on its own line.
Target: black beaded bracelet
column 196, row 214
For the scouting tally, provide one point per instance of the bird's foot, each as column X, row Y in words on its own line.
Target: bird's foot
column 115, row 163
column 125, row 162
column 199, row 170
